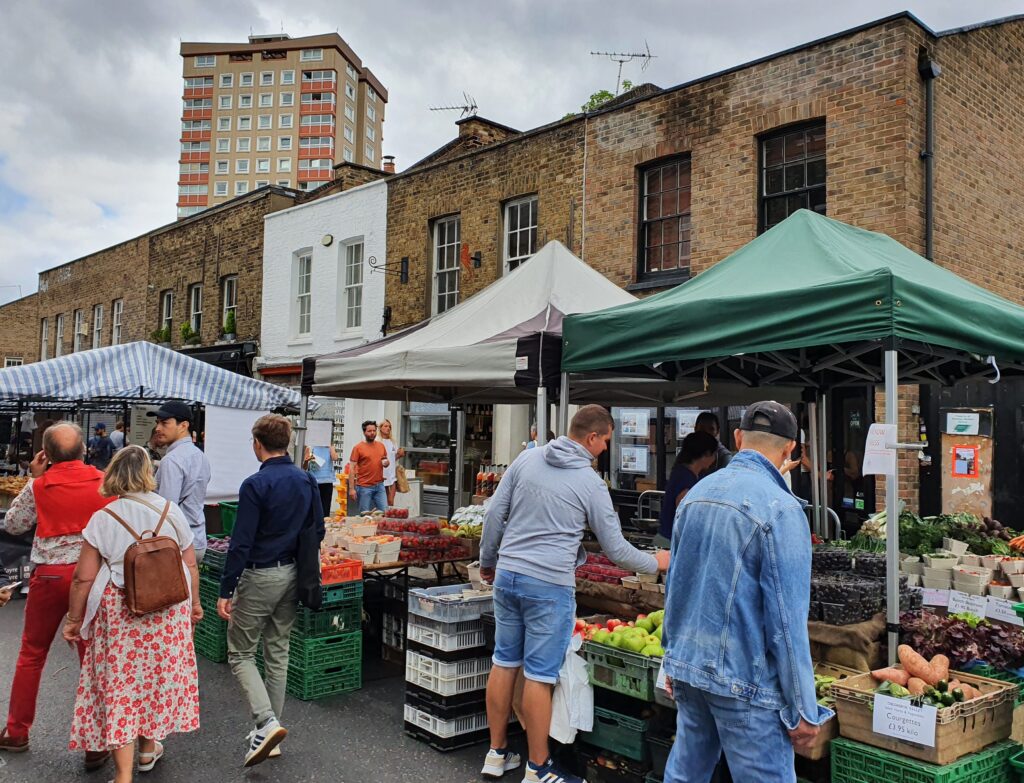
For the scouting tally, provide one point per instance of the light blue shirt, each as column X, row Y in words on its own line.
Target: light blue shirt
column 182, row 478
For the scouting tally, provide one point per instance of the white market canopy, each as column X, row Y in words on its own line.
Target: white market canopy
column 139, row 371
column 497, row 346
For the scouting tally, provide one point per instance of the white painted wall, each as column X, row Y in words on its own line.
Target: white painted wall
column 359, row 214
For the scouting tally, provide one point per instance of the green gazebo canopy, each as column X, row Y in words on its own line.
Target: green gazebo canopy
column 812, row 302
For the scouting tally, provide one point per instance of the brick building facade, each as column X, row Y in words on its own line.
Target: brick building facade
column 837, row 124
column 19, row 328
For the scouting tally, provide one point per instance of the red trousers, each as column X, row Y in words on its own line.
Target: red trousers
column 47, row 604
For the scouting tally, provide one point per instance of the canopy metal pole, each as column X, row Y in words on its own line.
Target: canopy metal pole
column 892, row 514
column 563, row 406
column 300, row 431
column 816, row 465
column 542, row 415
column 822, row 476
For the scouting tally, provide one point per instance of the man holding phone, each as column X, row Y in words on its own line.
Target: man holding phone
column 59, row 501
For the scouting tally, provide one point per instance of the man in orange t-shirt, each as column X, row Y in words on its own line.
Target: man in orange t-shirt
column 369, row 459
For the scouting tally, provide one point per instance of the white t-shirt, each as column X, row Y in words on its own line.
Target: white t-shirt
column 111, row 540
column 389, row 471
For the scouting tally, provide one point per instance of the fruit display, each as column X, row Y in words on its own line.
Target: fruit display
column 427, row 526
column 846, row 598
column 466, row 522
column 642, row 635
column 396, row 513
column 826, row 559
column 599, row 568
column 12, row 485
column 218, row 544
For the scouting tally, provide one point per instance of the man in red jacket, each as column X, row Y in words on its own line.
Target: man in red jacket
column 59, row 501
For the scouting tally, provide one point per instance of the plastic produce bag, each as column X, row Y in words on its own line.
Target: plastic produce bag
column 572, row 704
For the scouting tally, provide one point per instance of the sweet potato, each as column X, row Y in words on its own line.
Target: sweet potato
column 940, row 663
column 916, row 686
column 970, row 692
column 892, row 674
column 954, row 684
column 916, row 665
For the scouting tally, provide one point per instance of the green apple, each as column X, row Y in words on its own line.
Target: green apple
column 653, row 651
column 601, row 636
column 657, row 633
column 647, row 624
column 657, row 617
column 615, row 639
column 622, row 629
column 633, row 643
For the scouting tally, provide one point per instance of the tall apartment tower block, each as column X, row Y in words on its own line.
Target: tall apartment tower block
column 273, row 111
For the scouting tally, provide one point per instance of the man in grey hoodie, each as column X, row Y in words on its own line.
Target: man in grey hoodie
column 531, row 546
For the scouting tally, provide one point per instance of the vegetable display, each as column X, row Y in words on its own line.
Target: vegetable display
column 919, row 536
column 964, row 639
column 922, row 680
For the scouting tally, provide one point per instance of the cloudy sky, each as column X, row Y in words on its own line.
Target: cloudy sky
column 92, row 96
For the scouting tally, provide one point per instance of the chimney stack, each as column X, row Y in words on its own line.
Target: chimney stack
column 389, row 164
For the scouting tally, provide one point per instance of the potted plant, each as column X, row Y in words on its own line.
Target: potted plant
column 162, row 337
column 229, row 327
column 188, row 336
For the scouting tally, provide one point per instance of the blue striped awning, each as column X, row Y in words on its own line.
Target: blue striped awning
column 140, row 370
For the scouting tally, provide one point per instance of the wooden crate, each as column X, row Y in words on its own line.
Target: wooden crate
column 964, row 728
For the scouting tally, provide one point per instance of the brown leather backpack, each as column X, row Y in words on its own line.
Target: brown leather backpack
column 153, row 575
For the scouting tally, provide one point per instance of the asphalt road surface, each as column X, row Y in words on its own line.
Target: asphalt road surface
column 343, row 739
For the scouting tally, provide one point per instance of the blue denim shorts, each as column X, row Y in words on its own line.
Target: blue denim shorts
column 534, row 622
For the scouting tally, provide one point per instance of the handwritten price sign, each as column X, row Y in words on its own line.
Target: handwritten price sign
column 901, row 720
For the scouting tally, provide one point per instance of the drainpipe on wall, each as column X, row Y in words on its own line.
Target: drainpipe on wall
column 929, row 71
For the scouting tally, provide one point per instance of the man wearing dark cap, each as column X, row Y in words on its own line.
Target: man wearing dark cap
column 184, row 472
column 737, row 656
column 100, row 448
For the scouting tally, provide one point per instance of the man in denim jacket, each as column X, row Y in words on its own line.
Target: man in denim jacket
column 737, row 656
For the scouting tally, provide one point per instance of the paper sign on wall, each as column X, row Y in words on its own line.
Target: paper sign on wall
column 879, row 451
column 633, row 459
column 522, row 363
column 962, row 423
column 635, row 422
column 686, row 422
column 962, row 602
column 900, row 719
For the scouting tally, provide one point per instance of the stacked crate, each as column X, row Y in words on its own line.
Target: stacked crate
column 211, row 632
column 326, row 647
column 446, row 667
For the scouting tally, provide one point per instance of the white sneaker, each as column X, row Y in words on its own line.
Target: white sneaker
column 497, row 763
column 263, row 740
column 275, row 753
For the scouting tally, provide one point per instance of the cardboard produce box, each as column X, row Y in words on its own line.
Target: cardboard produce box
column 964, row 728
column 829, row 731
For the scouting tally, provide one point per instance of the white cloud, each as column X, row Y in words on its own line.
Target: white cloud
column 88, row 135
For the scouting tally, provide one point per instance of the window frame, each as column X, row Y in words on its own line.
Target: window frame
column 205, row 61
column 662, row 276
column 166, row 315
column 243, row 144
column 517, row 203
column 227, row 81
column 265, row 168
column 266, row 100
column 222, row 167
column 44, row 339
column 286, row 168
column 245, row 101
column 245, row 82
column 450, row 271
column 805, row 191
column 263, row 143
column 220, row 189
column 97, row 326
column 245, row 122
column 195, row 314
column 264, row 82
column 287, row 78
column 228, row 285
column 351, row 288
column 311, row 55
column 242, row 166
column 58, row 335
column 286, row 104
column 284, row 143
column 77, row 324
column 241, row 187
column 224, row 124
column 303, row 297
column 224, row 145
column 224, row 102
column 116, row 318
column 282, row 125
column 13, row 361
column 264, row 122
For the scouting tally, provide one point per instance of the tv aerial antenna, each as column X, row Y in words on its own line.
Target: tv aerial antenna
column 622, row 58
column 467, row 108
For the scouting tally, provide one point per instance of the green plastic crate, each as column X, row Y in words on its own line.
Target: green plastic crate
column 618, row 733
column 342, row 618
column 620, row 671
column 309, row 685
column 211, row 640
column 213, row 561
column 342, row 592
column 325, row 650
column 228, row 514
column 998, row 674
column 853, row 762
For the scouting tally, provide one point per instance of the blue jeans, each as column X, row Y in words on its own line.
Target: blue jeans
column 533, row 623
column 370, row 498
column 756, row 743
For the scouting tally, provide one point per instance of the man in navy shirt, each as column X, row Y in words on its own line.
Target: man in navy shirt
column 274, row 505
